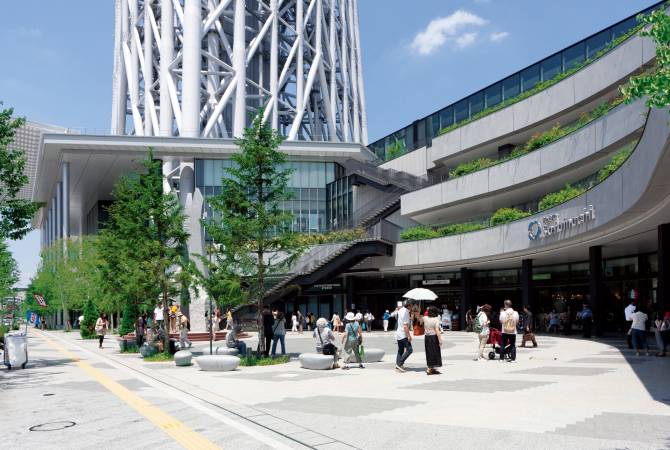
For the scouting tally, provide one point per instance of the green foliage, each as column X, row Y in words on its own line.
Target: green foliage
column 87, row 326
column 418, row 233
column 654, row 84
column 471, row 166
column 543, row 85
column 9, row 273
column 3, row 330
column 541, row 139
column 130, row 314
column 330, row 237
column 562, row 196
column 159, row 357
column 505, row 215
column 615, row 162
column 396, row 149
column 247, row 361
column 130, row 347
column 15, row 213
column 459, row 228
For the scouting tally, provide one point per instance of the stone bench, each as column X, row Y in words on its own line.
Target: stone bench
column 218, row 363
column 227, row 351
column 373, row 355
column 183, row 358
column 315, row 361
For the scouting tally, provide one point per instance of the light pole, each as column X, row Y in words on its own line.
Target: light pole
column 205, row 216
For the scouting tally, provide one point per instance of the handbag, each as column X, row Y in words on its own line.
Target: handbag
column 327, row 349
column 361, row 351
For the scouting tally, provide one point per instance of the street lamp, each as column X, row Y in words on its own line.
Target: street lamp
column 205, row 216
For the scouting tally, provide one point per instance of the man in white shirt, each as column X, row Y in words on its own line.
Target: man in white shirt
column 508, row 320
column 628, row 313
column 403, row 337
column 158, row 316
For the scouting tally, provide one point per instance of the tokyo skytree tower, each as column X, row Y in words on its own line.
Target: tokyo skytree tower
column 202, row 68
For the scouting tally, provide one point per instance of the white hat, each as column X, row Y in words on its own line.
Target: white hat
column 349, row 316
column 321, row 323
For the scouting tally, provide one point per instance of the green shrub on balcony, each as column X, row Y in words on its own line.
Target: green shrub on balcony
column 418, row 233
column 471, row 166
column 459, row 228
column 396, row 149
column 562, row 196
column 617, row 160
column 505, row 215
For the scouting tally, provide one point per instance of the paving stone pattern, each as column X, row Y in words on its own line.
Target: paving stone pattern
column 478, row 385
column 346, row 406
column 567, row 371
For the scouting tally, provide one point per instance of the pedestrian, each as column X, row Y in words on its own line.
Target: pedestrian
column 232, row 340
column 184, row 328
column 268, row 321
column 279, row 334
column 627, row 312
column 662, row 333
column 325, row 340
column 352, row 340
column 638, row 330
column 481, row 326
column 308, row 321
column 301, row 321
column 586, row 317
column 229, row 319
column 158, row 315
column 140, row 328
column 101, row 328
column 294, row 322
column 433, row 341
column 216, row 320
column 173, row 319
column 553, row 321
column 337, row 323
column 403, row 337
column 385, row 319
column 508, row 319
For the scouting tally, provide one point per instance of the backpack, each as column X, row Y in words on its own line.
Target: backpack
column 508, row 325
column 476, row 326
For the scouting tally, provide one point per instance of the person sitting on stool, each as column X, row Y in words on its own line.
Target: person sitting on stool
column 233, row 342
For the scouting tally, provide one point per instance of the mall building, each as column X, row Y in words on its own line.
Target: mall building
column 584, row 172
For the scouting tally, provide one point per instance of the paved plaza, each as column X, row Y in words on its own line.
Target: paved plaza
column 567, row 393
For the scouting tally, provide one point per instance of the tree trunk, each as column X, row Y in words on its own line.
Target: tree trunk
column 166, row 322
column 259, row 304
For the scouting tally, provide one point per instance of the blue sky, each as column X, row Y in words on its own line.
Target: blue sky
column 57, row 57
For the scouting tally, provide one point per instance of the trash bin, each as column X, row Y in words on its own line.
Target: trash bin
column 16, row 350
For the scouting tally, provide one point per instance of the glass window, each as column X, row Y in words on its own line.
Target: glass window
column 623, row 27
column 493, row 95
column 621, row 266
column 410, row 141
column 209, row 172
column 446, row 117
column 510, row 87
column 579, row 270
column 597, row 43
column 461, row 110
column 551, row 67
column 420, row 133
column 574, row 55
column 476, row 103
column 199, row 173
column 530, row 77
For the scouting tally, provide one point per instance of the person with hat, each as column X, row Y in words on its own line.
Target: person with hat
column 352, row 340
column 662, row 333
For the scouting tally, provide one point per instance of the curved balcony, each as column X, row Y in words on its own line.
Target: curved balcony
column 632, row 201
column 518, row 180
column 563, row 100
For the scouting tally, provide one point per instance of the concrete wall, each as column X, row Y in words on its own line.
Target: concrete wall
column 636, row 188
column 558, row 157
column 567, row 94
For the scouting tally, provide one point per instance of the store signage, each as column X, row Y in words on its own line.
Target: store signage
column 435, row 282
column 40, row 300
column 326, row 287
column 554, row 224
column 541, row 276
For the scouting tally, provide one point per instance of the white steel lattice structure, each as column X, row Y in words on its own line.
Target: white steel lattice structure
column 200, row 68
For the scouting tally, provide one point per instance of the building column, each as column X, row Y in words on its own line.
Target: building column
column 527, row 297
column 191, row 57
column 663, row 289
column 466, row 295
column 596, row 287
column 349, row 294
column 65, row 199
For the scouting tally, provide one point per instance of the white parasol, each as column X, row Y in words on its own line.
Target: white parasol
column 420, row 294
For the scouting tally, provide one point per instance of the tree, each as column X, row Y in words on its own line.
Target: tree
column 15, row 213
column 9, row 273
column 87, row 326
column 144, row 240
column 250, row 230
column 655, row 83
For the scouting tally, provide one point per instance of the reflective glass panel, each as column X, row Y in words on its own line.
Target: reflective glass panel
column 530, row 77
column 551, row 67
column 446, row 117
column 623, row 27
column 597, row 43
column 476, row 103
column 510, row 87
column 493, row 95
column 574, row 55
column 461, row 110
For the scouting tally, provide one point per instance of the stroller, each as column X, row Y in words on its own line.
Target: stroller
column 495, row 339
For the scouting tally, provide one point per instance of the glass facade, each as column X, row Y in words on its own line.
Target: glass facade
column 339, row 204
column 510, row 87
column 307, row 183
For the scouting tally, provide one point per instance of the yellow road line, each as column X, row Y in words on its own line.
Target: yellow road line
column 174, row 428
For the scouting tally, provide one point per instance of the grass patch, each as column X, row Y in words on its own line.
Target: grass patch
column 160, row 357
column 131, row 349
column 249, row 361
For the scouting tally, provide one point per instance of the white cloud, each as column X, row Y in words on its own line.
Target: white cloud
column 444, row 29
column 496, row 37
column 466, row 40
column 26, row 32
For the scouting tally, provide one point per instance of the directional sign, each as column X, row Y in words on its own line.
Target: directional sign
column 40, row 300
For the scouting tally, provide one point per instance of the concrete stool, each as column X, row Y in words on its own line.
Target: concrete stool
column 373, row 355
column 219, row 363
column 148, row 350
column 315, row 361
column 227, row 351
column 183, row 358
